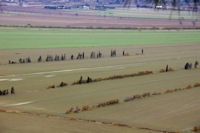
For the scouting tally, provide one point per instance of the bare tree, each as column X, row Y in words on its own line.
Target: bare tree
column 1, row 7
column 21, row 3
column 175, row 6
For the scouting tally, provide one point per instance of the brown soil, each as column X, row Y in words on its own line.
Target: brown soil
column 61, row 18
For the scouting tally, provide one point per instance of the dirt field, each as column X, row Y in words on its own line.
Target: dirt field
column 14, row 123
column 178, row 111
column 37, row 107
column 85, row 19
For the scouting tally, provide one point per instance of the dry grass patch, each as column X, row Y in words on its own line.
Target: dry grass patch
column 73, row 118
column 197, row 84
column 196, row 129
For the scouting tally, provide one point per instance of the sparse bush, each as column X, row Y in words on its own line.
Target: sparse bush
column 77, row 110
column 110, row 102
column 146, row 94
column 177, row 89
column 85, row 108
column 171, row 69
column 169, row 91
column 38, row 113
column 62, row 84
column 51, row 87
column 197, row 84
column 73, row 118
column 127, row 99
column 14, row 111
column 77, row 82
column 121, row 125
column 127, row 54
column 2, row 110
column 196, row 129
column 188, row 87
column 162, row 70
column 97, row 79
column 48, row 115
column 137, row 96
column 156, row 93
column 69, row 110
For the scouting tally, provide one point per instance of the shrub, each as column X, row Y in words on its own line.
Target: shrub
column 127, row 99
column 127, row 54
column 156, row 93
column 85, row 108
column 162, row 71
column 177, row 89
column 97, row 79
column 121, row 125
column 38, row 113
column 92, row 120
column 69, row 110
column 195, row 128
column 169, row 91
column 188, row 87
column 51, row 86
column 110, row 102
column 137, row 96
column 73, row 118
column 101, row 105
column 159, row 93
column 62, row 84
column 77, row 110
column 197, row 84
column 147, row 94
column 14, row 111
column 48, row 115
column 2, row 110
column 77, row 82
column 171, row 69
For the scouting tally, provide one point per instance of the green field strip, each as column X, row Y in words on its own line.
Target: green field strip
column 25, row 38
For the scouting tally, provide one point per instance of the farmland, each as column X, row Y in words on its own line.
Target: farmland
column 140, row 13
column 35, row 107
column 24, row 38
column 119, row 18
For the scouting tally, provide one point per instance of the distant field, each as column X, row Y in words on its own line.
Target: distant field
column 120, row 18
column 141, row 13
column 23, row 38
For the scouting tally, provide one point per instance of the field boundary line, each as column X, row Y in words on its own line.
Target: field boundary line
column 112, row 28
column 128, row 99
column 56, row 116
column 20, row 103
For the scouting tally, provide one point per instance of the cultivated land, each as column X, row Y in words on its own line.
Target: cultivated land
column 178, row 111
column 118, row 18
column 23, row 38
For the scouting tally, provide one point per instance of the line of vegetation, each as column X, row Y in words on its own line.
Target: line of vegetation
column 89, row 80
column 78, row 119
column 128, row 99
column 187, row 66
column 95, row 27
